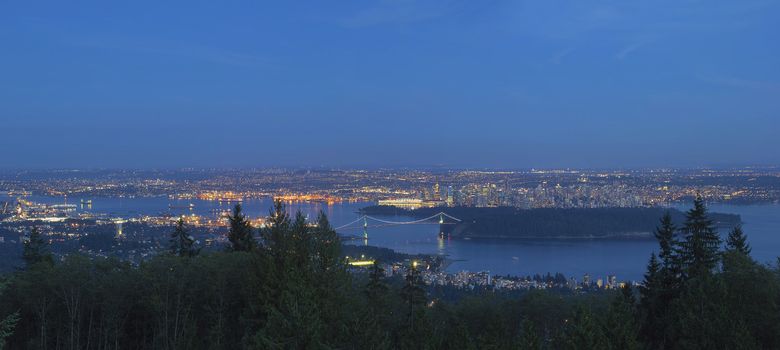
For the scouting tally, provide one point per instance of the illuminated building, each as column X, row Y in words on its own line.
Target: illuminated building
column 410, row 203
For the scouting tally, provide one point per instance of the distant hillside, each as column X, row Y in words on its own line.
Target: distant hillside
column 552, row 223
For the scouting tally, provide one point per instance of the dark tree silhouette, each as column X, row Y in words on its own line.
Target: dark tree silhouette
column 276, row 232
column 737, row 241
column 181, row 243
column 36, row 250
column 583, row 331
column 665, row 234
column 376, row 286
column 240, row 234
column 8, row 323
column 700, row 249
column 413, row 292
column 620, row 326
column 651, row 304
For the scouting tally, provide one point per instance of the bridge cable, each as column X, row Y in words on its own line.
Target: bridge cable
column 398, row 222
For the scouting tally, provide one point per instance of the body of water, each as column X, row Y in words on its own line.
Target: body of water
column 626, row 259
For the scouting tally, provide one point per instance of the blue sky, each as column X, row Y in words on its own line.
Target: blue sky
column 510, row 84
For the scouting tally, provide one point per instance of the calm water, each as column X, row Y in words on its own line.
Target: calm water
column 624, row 258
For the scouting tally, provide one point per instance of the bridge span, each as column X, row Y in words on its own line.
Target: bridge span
column 363, row 221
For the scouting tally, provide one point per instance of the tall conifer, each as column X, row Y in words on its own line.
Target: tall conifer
column 240, row 234
column 181, row 243
column 700, row 249
column 737, row 241
column 36, row 249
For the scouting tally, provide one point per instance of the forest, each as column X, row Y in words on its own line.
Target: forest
column 287, row 286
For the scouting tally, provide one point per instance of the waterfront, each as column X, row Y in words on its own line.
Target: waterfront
column 574, row 258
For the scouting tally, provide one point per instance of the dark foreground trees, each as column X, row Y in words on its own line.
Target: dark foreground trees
column 700, row 296
column 8, row 322
column 292, row 290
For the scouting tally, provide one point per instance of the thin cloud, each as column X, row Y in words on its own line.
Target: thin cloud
column 622, row 54
column 741, row 83
column 558, row 57
column 377, row 16
column 395, row 12
column 196, row 52
column 601, row 15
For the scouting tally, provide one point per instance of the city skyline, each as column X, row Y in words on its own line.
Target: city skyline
column 390, row 84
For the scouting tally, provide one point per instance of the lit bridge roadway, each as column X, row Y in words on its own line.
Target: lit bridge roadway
column 440, row 218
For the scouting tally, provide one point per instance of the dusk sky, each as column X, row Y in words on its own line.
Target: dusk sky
column 508, row 84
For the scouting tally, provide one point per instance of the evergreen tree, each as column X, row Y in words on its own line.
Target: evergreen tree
column 651, row 304
column 700, row 249
column 628, row 295
column 376, row 288
column 276, row 238
column 620, row 327
column 306, row 303
column 670, row 258
column 753, row 303
column 662, row 285
column 451, row 332
column 181, row 243
column 367, row 333
column 737, row 241
column 7, row 327
column 376, row 316
column 652, row 279
column 529, row 338
column 8, row 323
column 413, row 293
column 327, row 246
column 275, row 235
column 665, row 234
column 36, row 249
column 300, row 279
column 240, row 234
column 701, row 318
column 301, row 244
column 583, row 331
column 330, row 278
column 294, row 322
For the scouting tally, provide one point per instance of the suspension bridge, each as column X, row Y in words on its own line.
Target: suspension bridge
column 440, row 219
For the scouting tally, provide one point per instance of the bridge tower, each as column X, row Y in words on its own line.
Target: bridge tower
column 365, row 228
column 441, row 225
